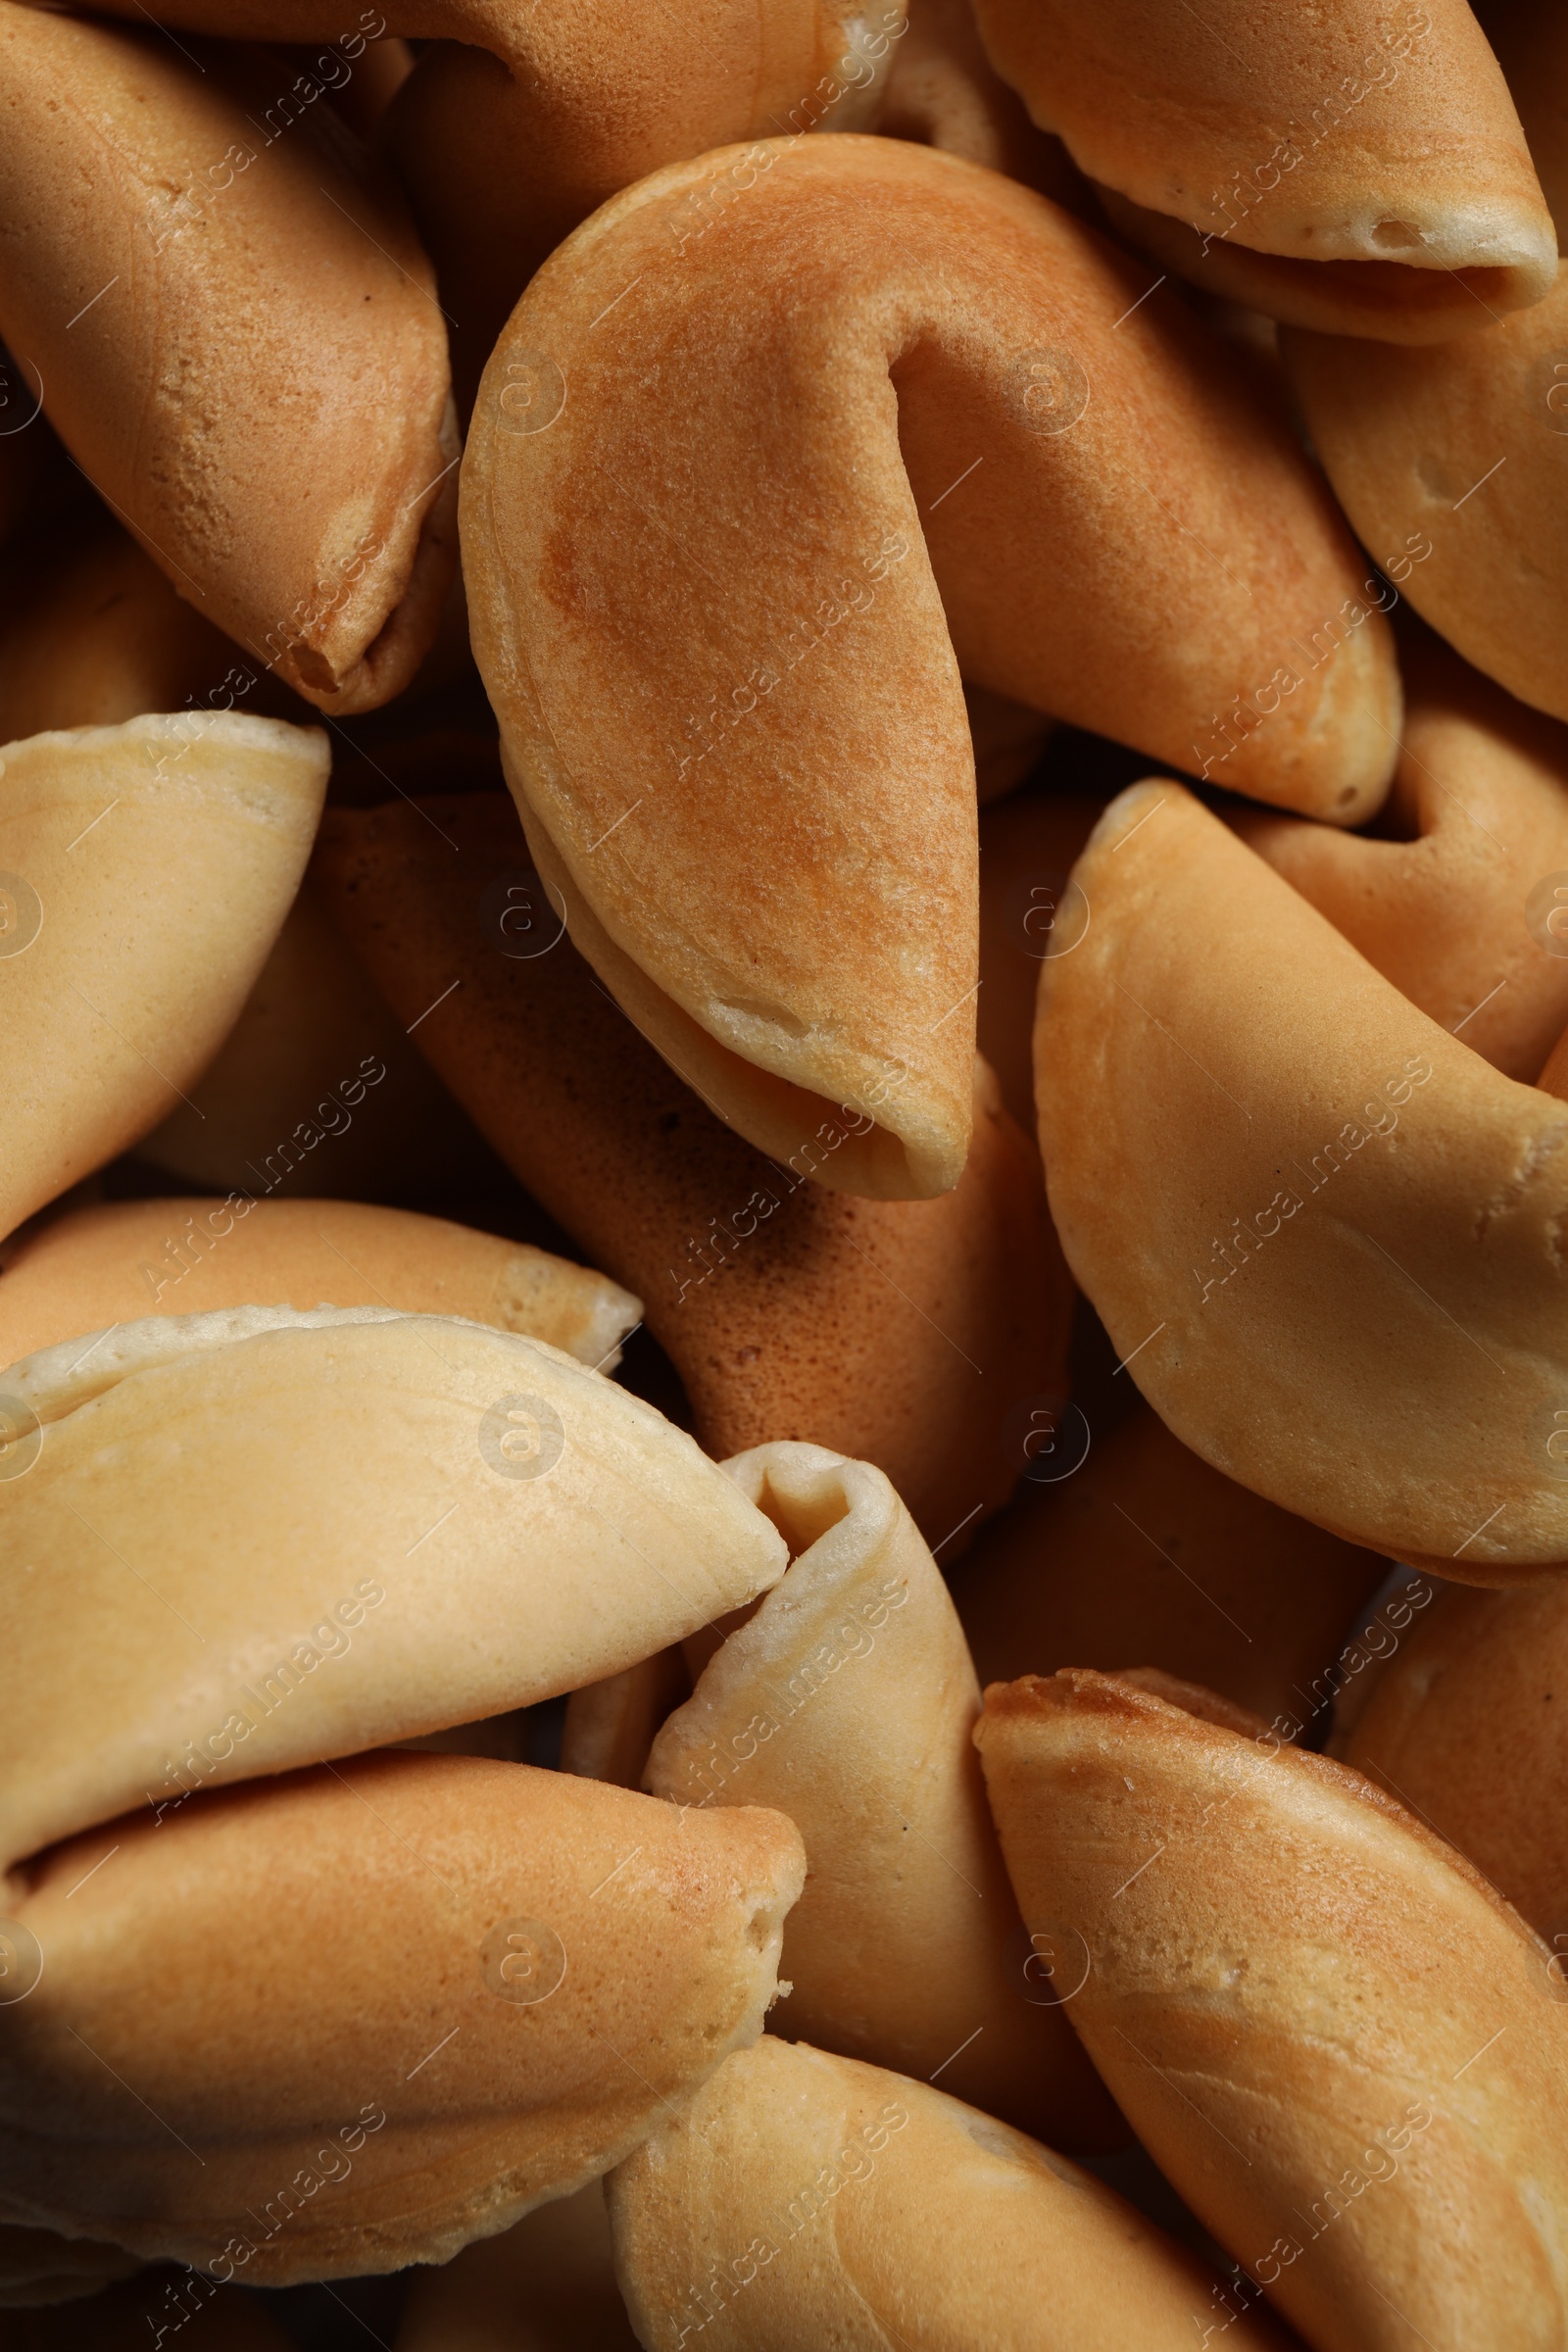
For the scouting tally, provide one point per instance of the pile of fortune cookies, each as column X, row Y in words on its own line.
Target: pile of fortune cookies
column 784, row 1174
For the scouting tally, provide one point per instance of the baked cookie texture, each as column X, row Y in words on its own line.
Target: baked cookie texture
column 1337, row 2038
column 151, row 867
column 1366, row 174
column 1277, row 1178
column 257, row 380
column 815, row 2199
column 898, row 1332
column 919, row 378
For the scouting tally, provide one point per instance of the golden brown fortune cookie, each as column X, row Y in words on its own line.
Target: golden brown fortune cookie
column 210, row 1486
column 899, row 1333
column 1463, row 1722
column 1145, row 1555
column 1277, row 1179
column 849, row 1697
column 1336, row 2039
column 238, row 340
column 315, row 1089
column 435, row 2020
column 1463, row 915
column 547, row 2285
column 944, row 91
column 810, row 2199
column 886, row 382
column 1372, row 179
column 1451, row 462
column 504, row 154
column 516, row 122
column 94, row 634
column 120, row 1261
column 148, row 869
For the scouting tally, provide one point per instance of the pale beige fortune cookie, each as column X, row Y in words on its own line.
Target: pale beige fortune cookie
column 147, row 870
column 1323, row 1235
column 847, row 1699
column 807, row 2199
column 122, row 1260
column 290, row 1537
column 1338, row 2042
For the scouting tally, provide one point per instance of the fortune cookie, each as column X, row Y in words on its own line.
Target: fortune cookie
column 98, row 638
column 1463, row 1723
column 516, row 122
column 504, row 154
column 119, row 1262
column 1338, row 2042
column 148, row 869
column 95, row 635
column 238, row 340
column 225, row 1494
column 547, row 2285
column 899, row 1333
column 1277, row 1180
column 354, row 2016
column 807, row 2199
column 317, row 1089
column 1370, row 179
column 1450, row 465
column 1465, row 917
column 912, row 420
column 942, row 91
column 848, row 1699
column 612, row 1724
column 1144, row 1555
